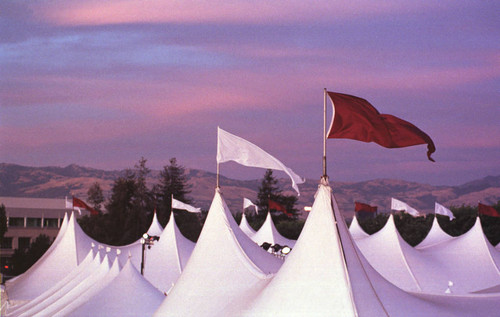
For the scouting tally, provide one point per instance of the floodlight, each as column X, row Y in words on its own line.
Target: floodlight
column 265, row 246
column 277, row 247
column 285, row 250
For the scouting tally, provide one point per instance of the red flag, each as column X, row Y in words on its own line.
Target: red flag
column 81, row 204
column 364, row 207
column 278, row 207
column 355, row 118
column 487, row 210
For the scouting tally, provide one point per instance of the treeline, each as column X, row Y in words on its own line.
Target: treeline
column 132, row 203
column 414, row 229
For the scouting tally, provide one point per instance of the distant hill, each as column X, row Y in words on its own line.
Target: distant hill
column 58, row 182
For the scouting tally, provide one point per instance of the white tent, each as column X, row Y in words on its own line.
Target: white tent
column 245, row 226
column 60, row 234
column 129, row 294
column 435, row 236
column 469, row 261
column 155, row 229
column 82, row 271
column 268, row 233
column 74, row 291
column 225, row 269
column 356, row 231
column 166, row 259
column 327, row 275
column 392, row 256
column 68, row 250
column 62, row 257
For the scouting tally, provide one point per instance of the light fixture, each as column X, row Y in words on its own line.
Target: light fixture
column 285, row 250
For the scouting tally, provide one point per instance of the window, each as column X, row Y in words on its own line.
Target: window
column 23, row 243
column 50, row 222
column 7, row 243
column 16, row 222
column 34, row 222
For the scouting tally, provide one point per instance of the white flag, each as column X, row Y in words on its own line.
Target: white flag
column 180, row 205
column 68, row 204
column 248, row 203
column 399, row 205
column 442, row 210
column 233, row 148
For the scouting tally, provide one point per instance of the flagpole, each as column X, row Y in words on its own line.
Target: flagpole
column 217, row 181
column 324, row 132
column 217, row 177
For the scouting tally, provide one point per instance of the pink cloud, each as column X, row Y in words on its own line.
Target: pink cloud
column 94, row 12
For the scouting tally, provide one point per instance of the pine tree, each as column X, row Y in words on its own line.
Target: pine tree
column 3, row 221
column 268, row 189
column 95, row 196
column 172, row 182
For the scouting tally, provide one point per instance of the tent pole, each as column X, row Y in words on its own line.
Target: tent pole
column 324, row 132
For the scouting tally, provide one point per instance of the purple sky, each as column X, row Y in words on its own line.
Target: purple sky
column 104, row 83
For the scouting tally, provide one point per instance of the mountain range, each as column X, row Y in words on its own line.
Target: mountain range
column 58, row 182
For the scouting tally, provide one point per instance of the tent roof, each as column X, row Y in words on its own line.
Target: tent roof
column 356, row 231
column 166, row 259
column 155, row 229
column 49, row 304
column 245, row 226
column 129, row 294
column 435, row 236
column 469, row 261
column 334, row 279
column 60, row 259
column 88, row 265
column 225, row 269
column 386, row 244
column 269, row 233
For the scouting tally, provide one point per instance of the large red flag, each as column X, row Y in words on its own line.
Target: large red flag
column 364, row 207
column 81, row 204
column 278, row 207
column 355, row 118
column 487, row 210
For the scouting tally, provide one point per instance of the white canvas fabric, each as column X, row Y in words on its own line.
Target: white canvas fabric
column 245, row 226
column 469, row 261
column 177, row 204
column 60, row 259
column 268, row 233
column 399, row 206
column 88, row 265
column 233, row 148
column 68, row 250
column 435, row 236
column 60, row 234
column 225, row 269
column 313, row 280
column 50, row 305
column 356, row 231
column 129, row 294
column 155, row 229
column 82, row 293
column 390, row 255
column 167, row 258
column 333, row 279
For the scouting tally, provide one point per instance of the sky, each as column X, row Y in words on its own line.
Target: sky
column 103, row 83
